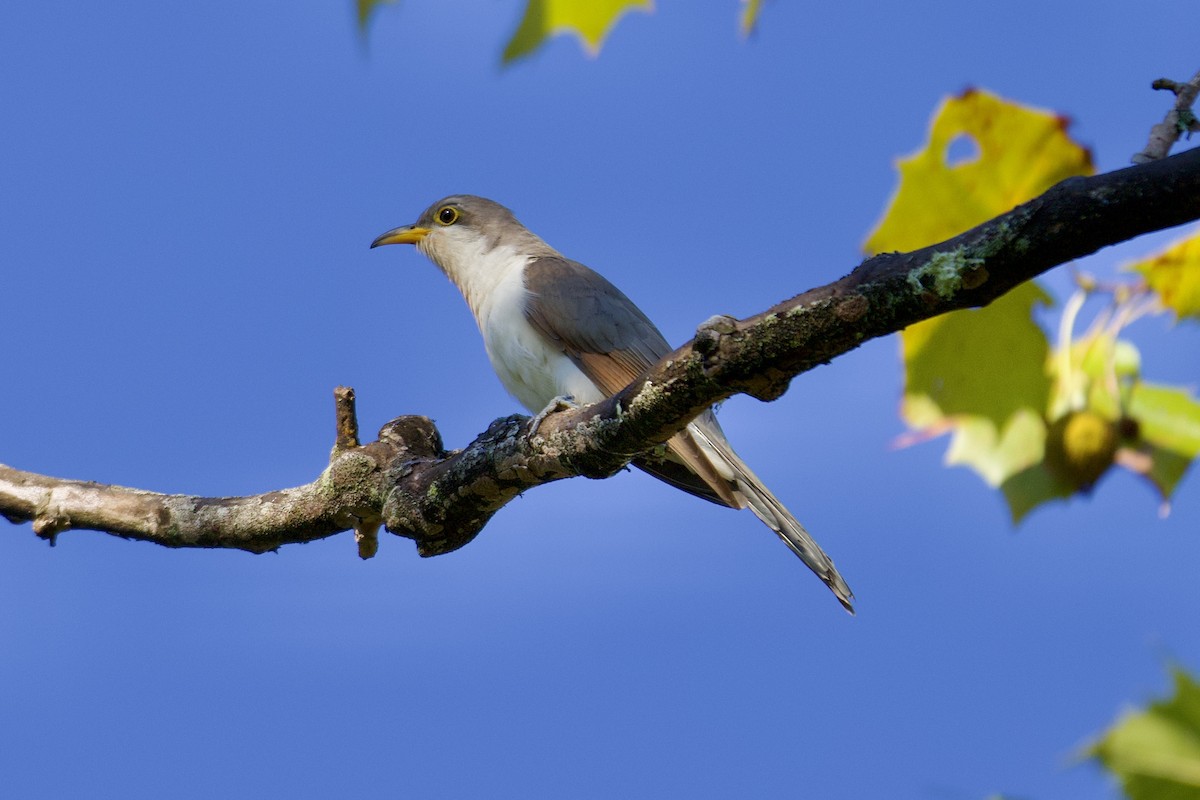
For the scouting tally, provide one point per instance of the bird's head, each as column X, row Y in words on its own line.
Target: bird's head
column 462, row 232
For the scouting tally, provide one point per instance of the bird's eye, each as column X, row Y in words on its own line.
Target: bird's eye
column 447, row 215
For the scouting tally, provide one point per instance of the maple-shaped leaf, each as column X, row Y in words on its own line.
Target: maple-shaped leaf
column 591, row 21
column 981, row 374
column 1174, row 274
column 1156, row 753
column 1019, row 152
column 1039, row 425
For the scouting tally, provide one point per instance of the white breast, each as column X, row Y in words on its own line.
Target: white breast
column 532, row 369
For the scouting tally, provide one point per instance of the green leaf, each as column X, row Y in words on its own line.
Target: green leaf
column 1169, row 417
column 1156, row 753
column 591, row 21
column 1032, row 487
column 1169, row 426
column 1166, row 469
column 1175, row 275
column 987, row 363
column 981, row 373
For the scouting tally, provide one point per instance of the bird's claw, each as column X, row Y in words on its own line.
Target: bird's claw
column 560, row 403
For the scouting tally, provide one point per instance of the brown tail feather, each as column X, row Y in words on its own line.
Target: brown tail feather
column 752, row 494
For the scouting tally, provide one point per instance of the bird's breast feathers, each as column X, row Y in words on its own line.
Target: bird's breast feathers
column 532, row 369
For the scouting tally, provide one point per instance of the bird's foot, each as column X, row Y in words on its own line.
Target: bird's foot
column 560, row 403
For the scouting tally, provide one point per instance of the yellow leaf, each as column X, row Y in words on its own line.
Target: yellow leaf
column 982, row 374
column 591, row 21
column 750, row 16
column 1021, row 152
column 1175, row 275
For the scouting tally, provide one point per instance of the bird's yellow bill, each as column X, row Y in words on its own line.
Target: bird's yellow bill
column 406, row 234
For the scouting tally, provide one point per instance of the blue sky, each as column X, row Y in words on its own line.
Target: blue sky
column 187, row 193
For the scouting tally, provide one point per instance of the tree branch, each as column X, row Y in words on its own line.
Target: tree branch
column 406, row 481
column 1180, row 119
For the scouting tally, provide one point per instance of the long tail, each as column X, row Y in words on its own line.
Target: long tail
column 752, row 494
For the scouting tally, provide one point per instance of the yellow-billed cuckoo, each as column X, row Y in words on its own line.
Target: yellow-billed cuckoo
column 554, row 328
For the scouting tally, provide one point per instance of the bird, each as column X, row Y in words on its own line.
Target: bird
column 555, row 329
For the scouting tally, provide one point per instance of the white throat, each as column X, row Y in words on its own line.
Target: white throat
column 475, row 268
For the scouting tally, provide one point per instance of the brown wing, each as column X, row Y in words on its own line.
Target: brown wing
column 612, row 342
column 592, row 320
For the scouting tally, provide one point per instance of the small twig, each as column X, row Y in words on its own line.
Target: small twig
column 366, row 537
column 1179, row 120
column 1066, row 334
column 366, row 530
column 347, row 419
